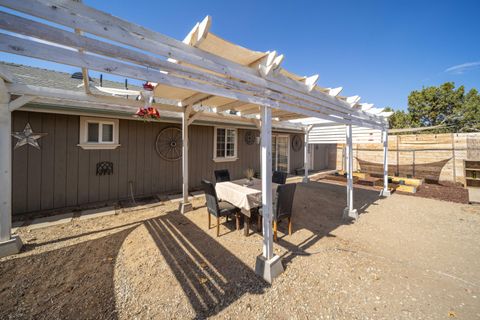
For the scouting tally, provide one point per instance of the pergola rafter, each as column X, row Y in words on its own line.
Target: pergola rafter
column 72, row 14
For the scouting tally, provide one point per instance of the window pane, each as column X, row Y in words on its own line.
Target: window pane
column 230, row 149
column 230, row 143
column 92, row 132
column 107, row 133
column 220, row 142
column 231, row 136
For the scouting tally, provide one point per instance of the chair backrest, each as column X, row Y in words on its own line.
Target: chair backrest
column 285, row 195
column 279, row 177
column 211, row 197
column 222, row 175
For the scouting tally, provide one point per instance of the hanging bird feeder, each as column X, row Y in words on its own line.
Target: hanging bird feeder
column 147, row 111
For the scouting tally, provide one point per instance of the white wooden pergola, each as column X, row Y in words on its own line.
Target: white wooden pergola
column 321, row 131
column 238, row 84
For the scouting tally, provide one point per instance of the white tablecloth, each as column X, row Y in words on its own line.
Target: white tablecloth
column 242, row 193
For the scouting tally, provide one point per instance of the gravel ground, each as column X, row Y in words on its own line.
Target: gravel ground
column 405, row 258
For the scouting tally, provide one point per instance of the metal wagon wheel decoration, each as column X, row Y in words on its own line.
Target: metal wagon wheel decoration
column 169, row 144
column 297, row 143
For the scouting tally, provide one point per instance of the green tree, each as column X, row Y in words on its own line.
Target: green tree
column 442, row 105
column 399, row 119
column 469, row 114
column 433, row 106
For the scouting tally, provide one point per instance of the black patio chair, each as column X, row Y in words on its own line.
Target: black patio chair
column 279, row 177
column 282, row 208
column 222, row 175
column 219, row 208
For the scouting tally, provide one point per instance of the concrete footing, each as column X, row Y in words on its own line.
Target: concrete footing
column 12, row 246
column 268, row 269
column 185, row 207
column 385, row 193
column 350, row 214
column 305, row 180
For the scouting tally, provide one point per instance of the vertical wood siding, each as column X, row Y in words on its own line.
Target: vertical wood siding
column 62, row 174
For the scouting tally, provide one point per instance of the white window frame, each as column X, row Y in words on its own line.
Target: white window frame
column 107, row 145
column 235, row 150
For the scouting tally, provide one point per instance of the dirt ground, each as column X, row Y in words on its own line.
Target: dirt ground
column 443, row 191
column 405, row 258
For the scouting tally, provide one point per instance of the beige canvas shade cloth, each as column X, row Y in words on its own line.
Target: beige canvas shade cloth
column 242, row 193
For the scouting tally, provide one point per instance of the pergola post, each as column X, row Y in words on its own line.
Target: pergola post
column 349, row 212
column 267, row 265
column 305, row 156
column 385, row 191
column 8, row 245
column 185, row 205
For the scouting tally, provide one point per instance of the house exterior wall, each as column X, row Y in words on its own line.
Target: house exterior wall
column 62, row 174
column 320, row 156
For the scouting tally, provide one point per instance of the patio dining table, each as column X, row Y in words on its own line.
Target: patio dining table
column 244, row 194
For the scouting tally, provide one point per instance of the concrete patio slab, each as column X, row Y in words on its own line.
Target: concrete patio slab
column 95, row 213
column 16, row 225
column 51, row 221
column 177, row 197
column 197, row 194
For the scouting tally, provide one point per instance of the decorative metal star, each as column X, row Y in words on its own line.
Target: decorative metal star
column 27, row 137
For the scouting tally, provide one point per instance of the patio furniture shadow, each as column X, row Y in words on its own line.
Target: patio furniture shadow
column 318, row 207
column 210, row 275
column 72, row 282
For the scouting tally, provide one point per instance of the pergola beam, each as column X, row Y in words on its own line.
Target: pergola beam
column 8, row 245
column 306, row 157
column 231, row 106
column 87, row 19
column 267, row 265
column 85, row 78
column 185, row 205
column 349, row 211
column 385, row 191
column 19, row 102
column 115, row 103
column 56, row 54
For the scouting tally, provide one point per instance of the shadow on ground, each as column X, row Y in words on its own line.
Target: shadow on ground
column 210, row 275
column 77, row 280
column 59, row 285
column 318, row 207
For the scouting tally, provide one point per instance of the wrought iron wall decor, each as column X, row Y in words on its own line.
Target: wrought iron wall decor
column 249, row 137
column 27, row 136
column 104, row 168
column 169, row 144
column 297, row 143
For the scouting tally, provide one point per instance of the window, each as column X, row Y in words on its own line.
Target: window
column 281, row 153
column 225, row 144
column 98, row 133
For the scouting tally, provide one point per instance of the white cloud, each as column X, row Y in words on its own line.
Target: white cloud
column 464, row 67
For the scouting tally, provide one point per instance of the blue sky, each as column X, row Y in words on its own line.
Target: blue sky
column 380, row 50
